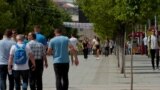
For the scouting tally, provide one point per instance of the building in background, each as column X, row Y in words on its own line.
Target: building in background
column 70, row 7
column 77, row 17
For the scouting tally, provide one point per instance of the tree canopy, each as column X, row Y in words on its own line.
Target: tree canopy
column 24, row 14
column 113, row 16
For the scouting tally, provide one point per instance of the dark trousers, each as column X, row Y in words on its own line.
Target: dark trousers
column 154, row 53
column 18, row 75
column 35, row 77
column 85, row 53
column 61, row 73
column 3, row 78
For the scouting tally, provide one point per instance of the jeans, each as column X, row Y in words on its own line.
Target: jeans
column 35, row 77
column 18, row 75
column 3, row 77
column 61, row 73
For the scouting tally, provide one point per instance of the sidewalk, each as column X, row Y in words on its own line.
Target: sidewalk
column 104, row 74
column 145, row 78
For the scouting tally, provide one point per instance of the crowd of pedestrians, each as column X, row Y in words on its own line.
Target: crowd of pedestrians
column 23, row 57
column 96, row 47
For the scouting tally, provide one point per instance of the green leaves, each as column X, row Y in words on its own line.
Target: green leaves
column 24, row 14
column 108, row 14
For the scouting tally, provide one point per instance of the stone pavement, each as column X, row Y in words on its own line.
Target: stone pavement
column 104, row 74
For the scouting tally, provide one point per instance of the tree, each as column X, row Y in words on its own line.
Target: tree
column 115, row 17
column 24, row 14
column 5, row 16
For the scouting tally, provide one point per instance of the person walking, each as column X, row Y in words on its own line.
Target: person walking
column 74, row 42
column 111, row 46
column 97, row 43
column 20, row 54
column 59, row 47
column 145, row 41
column 153, row 44
column 39, row 37
column 5, row 46
column 14, row 34
column 106, row 46
column 129, row 47
column 94, row 45
column 85, row 48
column 38, row 50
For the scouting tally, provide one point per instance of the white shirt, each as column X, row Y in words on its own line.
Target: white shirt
column 95, row 42
column 74, row 42
column 153, row 42
column 24, row 66
column 129, row 44
column 145, row 41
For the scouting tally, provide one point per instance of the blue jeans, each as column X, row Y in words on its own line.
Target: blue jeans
column 3, row 77
column 18, row 75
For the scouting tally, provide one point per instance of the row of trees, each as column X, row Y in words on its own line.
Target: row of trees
column 23, row 14
column 112, row 18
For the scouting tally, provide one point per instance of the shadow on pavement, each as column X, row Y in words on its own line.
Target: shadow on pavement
column 138, row 66
column 151, row 72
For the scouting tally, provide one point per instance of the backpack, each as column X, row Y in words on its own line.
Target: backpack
column 20, row 56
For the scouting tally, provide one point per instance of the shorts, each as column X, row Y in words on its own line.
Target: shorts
column 97, row 46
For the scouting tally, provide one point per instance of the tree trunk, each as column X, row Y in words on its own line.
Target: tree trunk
column 122, row 48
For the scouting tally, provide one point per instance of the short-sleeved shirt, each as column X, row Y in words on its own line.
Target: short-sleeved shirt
column 41, row 38
column 24, row 66
column 38, row 49
column 74, row 42
column 59, row 44
column 145, row 41
column 5, row 46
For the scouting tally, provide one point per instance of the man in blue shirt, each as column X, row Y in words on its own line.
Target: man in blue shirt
column 5, row 45
column 39, row 37
column 59, row 47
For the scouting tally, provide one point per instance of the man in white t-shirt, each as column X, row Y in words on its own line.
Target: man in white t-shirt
column 20, row 69
column 145, row 41
column 74, row 42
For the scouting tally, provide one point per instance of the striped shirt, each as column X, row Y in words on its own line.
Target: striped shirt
column 37, row 48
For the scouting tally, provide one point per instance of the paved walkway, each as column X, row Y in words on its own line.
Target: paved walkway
column 104, row 74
